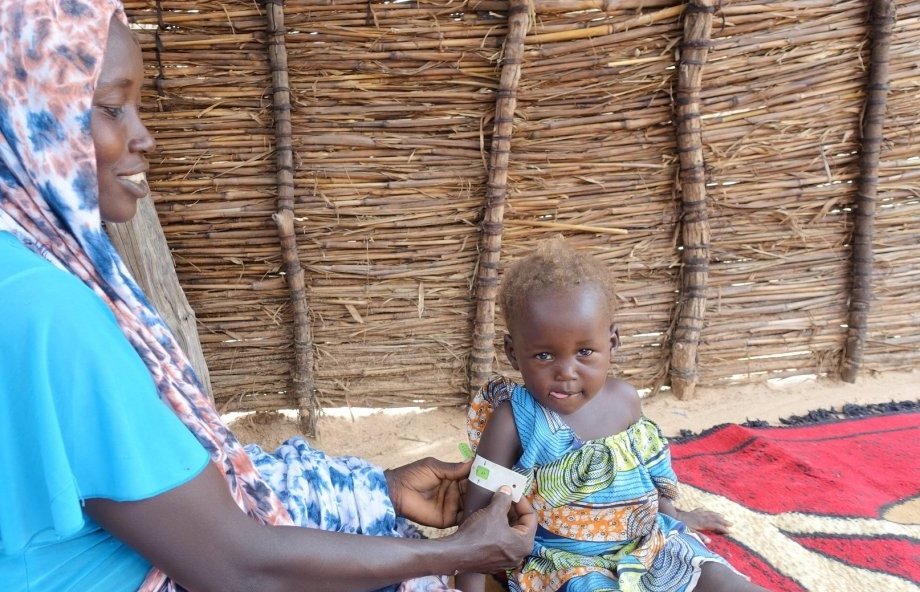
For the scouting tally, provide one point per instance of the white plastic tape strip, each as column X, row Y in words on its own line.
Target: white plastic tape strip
column 491, row 476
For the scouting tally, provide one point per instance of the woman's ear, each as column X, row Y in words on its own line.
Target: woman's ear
column 509, row 352
column 614, row 339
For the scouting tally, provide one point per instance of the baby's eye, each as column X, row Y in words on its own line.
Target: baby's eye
column 543, row 356
column 585, row 352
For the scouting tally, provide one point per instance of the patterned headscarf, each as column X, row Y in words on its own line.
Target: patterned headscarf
column 50, row 56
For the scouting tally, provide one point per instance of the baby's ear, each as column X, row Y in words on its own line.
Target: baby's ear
column 614, row 338
column 509, row 352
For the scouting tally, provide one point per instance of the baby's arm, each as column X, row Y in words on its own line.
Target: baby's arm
column 697, row 519
column 666, row 481
column 500, row 444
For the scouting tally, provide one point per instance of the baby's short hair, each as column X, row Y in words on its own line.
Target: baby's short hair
column 553, row 266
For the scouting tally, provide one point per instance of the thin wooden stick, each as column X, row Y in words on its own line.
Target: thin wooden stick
column 302, row 370
column 588, row 228
column 882, row 21
column 486, row 287
column 691, row 303
column 589, row 33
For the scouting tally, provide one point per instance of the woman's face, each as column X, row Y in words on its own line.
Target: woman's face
column 121, row 139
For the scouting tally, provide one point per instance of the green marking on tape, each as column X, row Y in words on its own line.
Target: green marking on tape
column 482, row 472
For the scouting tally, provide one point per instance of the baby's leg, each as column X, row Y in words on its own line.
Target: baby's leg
column 715, row 577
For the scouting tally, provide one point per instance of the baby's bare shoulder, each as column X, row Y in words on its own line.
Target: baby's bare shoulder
column 626, row 397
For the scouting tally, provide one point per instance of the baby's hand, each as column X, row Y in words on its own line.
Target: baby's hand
column 700, row 519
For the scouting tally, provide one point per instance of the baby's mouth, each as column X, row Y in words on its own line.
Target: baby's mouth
column 561, row 394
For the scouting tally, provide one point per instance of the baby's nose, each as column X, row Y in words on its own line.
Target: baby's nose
column 565, row 370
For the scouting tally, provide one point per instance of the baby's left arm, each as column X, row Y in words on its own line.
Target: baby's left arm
column 697, row 518
column 665, row 479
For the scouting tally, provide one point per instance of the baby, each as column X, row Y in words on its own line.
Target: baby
column 599, row 472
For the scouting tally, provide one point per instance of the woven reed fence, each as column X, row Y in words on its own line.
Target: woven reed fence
column 341, row 183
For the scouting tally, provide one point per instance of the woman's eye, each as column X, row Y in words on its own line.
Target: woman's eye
column 113, row 112
column 585, row 352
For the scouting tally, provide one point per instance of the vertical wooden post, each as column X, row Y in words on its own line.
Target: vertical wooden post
column 691, row 303
column 143, row 248
column 490, row 238
column 302, row 383
column 881, row 22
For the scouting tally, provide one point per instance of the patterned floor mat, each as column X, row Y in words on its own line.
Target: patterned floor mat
column 828, row 502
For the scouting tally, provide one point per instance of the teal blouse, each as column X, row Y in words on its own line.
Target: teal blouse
column 79, row 418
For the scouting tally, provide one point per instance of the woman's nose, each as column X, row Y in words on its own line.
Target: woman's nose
column 141, row 138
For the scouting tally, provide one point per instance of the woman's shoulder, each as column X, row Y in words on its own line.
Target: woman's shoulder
column 21, row 267
column 44, row 296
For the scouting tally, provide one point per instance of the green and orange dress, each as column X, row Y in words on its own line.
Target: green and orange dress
column 596, row 503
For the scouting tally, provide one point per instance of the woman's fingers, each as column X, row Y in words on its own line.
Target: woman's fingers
column 526, row 519
column 495, row 543
column 523, row 528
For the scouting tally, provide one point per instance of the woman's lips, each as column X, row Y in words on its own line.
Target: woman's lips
column 136, row 184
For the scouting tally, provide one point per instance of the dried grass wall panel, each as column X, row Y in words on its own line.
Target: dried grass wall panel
column 782, row 93
column 391, row 111
column 593, row 152
column 893, row 339
column 214, row 179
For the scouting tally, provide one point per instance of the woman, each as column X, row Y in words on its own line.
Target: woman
column 112, row 460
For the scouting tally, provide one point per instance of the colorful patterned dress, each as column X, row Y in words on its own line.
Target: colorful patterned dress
column 596, row 503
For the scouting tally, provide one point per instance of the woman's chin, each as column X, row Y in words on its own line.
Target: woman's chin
column 120, row 214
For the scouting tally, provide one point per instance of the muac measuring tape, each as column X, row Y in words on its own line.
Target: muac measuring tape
column 491, row 476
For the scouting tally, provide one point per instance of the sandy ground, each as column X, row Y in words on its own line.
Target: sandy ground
column 393, row 437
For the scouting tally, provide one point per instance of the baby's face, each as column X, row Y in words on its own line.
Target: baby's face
column 563, row 344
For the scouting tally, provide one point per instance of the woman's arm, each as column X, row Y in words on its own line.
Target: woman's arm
column 197, row 535
column 501, row 444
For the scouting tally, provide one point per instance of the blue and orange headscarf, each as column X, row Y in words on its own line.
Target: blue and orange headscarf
column 50, row 57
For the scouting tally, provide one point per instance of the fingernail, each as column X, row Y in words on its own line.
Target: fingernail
column 505, row 489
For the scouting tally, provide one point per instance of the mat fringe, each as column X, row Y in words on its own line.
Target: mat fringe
column 848, row 411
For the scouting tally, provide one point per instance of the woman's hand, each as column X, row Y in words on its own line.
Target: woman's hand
column 429, row 491
column 498, row 536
